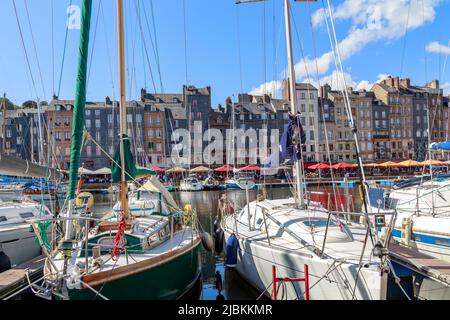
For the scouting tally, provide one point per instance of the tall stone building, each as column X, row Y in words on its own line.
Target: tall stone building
column 400, row 101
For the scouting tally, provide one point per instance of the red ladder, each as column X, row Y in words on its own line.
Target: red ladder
column 275, row 280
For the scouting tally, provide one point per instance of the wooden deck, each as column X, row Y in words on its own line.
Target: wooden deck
column 420, row 262
column 15, row 279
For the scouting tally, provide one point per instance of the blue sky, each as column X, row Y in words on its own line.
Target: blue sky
column 371, row 32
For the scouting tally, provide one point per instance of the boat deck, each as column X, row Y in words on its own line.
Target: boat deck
column 420, row 262
column 15, row 279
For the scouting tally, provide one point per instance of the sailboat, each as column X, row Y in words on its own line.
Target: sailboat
column 284, row 238
column 423, row 212
column 148, row 254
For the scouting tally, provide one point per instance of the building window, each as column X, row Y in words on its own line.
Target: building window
column 159, row 147
column 97, row 112
column 88, row 113
column 67, row 136
column 150, row 133
column 97, row 123
column 89, row 151
column 138, row 118
column 110, row 118
column 8, row 133
column 88, row 123
column 99, row 151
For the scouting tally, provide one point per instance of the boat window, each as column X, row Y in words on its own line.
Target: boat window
column 26, row 215
column 3, row 219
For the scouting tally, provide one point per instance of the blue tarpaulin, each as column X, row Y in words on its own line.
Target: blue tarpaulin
column 440, row 145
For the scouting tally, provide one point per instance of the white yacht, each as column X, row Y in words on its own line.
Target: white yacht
column 423, row 217
column 17, row 239
column 191, row 184
column 275, row 233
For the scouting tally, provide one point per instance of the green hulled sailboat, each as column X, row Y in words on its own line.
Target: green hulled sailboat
column 147, row 248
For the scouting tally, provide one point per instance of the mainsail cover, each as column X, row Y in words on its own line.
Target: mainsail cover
column 80, row 98
column 291, row 142
column 12, row 166
column 130, row 166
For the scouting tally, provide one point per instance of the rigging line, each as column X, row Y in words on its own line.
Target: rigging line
column 24, row 48
column 108, row 52
column 35, row 48
column 64, row 51
column 424, row 42
column 53, row 44
column 264, row 52
column 93, row 44
column 145, row 47
column 185, row 44
column 365, row 193
column 445, row 61
column 154, row 42
column 327, row 145
column 238, row 34
column 404, row 39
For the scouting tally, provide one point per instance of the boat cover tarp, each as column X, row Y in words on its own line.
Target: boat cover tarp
column 12, row 166
column 440, row 145
column 130, row 166
column 153, row 185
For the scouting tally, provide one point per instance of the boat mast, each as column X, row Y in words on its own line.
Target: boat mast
column 300, row 201
column 123, row 106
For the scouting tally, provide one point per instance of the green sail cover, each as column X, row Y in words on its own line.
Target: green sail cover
column 130, row 166
column 144, row 171
column 80, row 98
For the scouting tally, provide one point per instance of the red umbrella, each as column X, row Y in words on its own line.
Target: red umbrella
column 158, row 169
column 318, row 166
column 251, row 167
column 343, row 165
column 226, row 168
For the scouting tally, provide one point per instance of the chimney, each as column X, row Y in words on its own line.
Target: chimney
column 324, row 91
column 396, row 82
column 285, row 89
column 405, row 82
column 143, row 94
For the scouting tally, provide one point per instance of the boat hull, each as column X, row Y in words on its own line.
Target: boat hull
column 255, row 261
column 169, row 280
column 18, row 243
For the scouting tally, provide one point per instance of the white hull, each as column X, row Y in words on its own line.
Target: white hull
column 255, row 261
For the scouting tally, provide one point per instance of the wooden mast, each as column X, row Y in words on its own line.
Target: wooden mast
column 123, row 106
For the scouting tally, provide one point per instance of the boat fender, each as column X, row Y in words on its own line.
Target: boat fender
column 231, row 252
column 207, row 241
column 219, row 239
column 5, row 262
column 216, row 225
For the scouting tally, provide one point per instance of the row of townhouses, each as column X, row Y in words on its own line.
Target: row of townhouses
column 393, row 121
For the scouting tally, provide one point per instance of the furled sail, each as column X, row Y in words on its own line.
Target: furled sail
column 80, row 98
column 12, row 166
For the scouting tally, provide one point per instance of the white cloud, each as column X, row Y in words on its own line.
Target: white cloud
column 436, row 47
column 446, row 87
column 371, row 21
column 272, row 87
